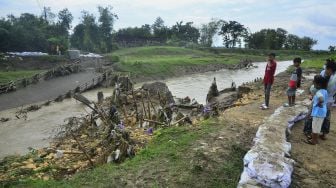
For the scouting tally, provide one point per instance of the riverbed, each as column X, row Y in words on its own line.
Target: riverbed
column 16, row 135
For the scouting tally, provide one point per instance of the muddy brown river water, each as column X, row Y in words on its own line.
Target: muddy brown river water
column 16, row 135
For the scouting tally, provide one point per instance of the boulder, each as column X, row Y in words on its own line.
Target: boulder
column 159, row 87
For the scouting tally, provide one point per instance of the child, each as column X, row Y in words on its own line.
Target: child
column 269, row 79
column 319, row 108
column 294, row 82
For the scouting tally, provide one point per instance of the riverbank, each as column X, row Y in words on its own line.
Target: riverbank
column 209, row 151
column 162, row 62
column 215, row 150
column 211, row 162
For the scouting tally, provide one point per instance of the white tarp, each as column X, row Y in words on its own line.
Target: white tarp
column 28, row 53
column 91, row 55
column 267, row 164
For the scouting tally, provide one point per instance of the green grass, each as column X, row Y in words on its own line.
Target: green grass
column 168, row 161
column 14, row 75
column 317, row 63
column 163, row 60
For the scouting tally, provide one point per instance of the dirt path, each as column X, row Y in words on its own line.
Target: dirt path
column 315, row 165
column 44, row 90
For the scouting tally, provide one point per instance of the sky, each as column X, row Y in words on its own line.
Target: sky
column 313, row 18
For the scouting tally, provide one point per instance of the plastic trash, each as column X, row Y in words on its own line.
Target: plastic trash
column 150, row 131
column 117, row 154
column 59, row 154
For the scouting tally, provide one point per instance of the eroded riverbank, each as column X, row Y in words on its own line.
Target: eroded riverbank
column 36, row 131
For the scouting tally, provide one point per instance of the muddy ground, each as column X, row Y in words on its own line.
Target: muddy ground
column 315, row 165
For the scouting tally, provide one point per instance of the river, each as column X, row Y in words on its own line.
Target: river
column 16, row 135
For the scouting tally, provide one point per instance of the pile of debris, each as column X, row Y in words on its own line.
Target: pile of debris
column 116, row 128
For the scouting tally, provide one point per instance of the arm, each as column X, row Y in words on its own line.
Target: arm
column 299, row 73
column 299, row 77
column 320, row 102
column 274, row 68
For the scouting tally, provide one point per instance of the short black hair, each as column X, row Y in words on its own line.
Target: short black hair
column 321, row 81
column 271, row 54
column 330, row 64
column 297, row 60
column 330, row 60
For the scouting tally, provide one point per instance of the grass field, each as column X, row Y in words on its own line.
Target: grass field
column 14, row 75
column 317, row 62
column 169, row 160
column 150, row 61
column 163, row 60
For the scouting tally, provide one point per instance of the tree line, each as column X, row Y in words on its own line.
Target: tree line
column 50, row 32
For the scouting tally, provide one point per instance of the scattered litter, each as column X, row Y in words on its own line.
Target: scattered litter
column 296, row 119
column 149, row 131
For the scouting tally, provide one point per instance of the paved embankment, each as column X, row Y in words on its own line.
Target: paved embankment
column 45, row 90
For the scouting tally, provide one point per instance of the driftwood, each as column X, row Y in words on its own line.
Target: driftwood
column 152, row 121
column 187, row 106
column 83, row 100
column 178, row 121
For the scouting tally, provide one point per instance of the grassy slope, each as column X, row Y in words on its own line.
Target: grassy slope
column 168, row 161
column 13, row 75
column 158, row 60
column 163, row 60
column 317, row 62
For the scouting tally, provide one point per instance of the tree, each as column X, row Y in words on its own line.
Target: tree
column 307, row 43
column 47, row 15
column 185, row 32
column 281, row 35
column 160, row 31
column 106, row 21
column 231, row 32
column 208, row 31
column 331, row 48
column 292, row 42
column 65, row 18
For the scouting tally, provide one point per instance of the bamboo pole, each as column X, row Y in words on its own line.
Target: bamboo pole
column 150, row 101
column 135, row 105
column 143, row 105
column 178, row 121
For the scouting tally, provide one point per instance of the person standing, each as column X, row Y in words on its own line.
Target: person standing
column 319, row 108
column 330, row 75
column 269, row 79
column 294, row 82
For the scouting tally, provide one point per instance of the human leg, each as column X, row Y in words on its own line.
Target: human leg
column 326, row 125
column 316, row 126
column 267, row 94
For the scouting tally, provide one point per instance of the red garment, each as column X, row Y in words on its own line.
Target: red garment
column 269, row 72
